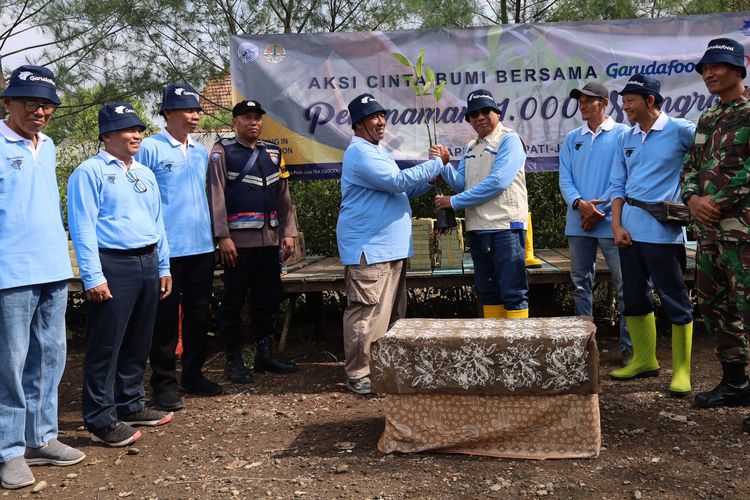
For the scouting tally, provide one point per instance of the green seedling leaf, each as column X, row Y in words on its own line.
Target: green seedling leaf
column 439, row 91
column 430, row 75
column 402, row 59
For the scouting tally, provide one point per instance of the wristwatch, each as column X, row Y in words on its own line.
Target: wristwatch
column 576, row 202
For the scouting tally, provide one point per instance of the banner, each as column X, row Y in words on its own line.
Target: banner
column 305, row 81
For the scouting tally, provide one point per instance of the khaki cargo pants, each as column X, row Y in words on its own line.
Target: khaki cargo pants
column 376, row 298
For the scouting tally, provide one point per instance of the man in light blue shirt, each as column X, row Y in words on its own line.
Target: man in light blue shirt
column 34, row 267
column 180, row 167
column 585, row 165
column 374, row 234
column 115, row 221
column 646, row 172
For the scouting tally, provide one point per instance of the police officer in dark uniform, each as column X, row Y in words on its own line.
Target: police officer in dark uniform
column 253, row 221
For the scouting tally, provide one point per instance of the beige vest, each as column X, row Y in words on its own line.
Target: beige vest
column 510, row 206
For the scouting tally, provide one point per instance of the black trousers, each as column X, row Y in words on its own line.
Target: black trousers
column 118, row 336
column 192, row 280
column 258, row 270
column 646, row 266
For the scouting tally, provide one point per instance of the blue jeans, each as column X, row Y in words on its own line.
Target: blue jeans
column 500, row 268
column 583, row 271
column 32, row 360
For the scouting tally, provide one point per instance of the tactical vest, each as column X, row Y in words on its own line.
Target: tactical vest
column 251, row 203
column 510, row 209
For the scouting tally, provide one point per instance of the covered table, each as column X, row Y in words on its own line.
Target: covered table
column 519, row 388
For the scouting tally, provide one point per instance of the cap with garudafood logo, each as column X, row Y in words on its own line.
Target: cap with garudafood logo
column 363, row 106
column 724, row 50
column 32, row 81
column 179, row 96
column 245, row 107
column 118, row 116
column 480, row 99
column 591, row 89
column 645, row 85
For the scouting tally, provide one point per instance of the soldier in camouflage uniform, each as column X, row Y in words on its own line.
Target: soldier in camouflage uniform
column 716, row 187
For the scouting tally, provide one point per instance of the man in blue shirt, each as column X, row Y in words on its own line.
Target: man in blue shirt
column 115, row 221
column 585, row 165
column 491, row 186
column 34, row 267
column 374, row 234
column 180, row 166
column 646, row 172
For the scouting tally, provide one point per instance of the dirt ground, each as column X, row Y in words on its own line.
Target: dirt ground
column 305, row 436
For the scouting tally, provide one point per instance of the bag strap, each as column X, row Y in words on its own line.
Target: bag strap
column 246, row 169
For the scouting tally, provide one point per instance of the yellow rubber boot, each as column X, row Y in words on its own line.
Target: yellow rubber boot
column 682, row 343
column 531, row 260
column 517, row 313
column 644, row 363
column 494, row 311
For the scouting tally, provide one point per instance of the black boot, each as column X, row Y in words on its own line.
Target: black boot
column 733, row 390
column 235, row 370
column 264, row 360
column 746, row 424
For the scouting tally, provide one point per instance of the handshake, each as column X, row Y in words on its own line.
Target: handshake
column 441, row 151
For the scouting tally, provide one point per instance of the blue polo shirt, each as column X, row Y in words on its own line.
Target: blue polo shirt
column 33, row 244
column 180, row 171
column 106, row 211
column 586, row 158
column 647, row 168
column 375, row 216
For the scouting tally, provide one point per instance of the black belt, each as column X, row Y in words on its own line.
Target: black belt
column 130, row 251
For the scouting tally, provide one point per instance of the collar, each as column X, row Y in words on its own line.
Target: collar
column 108, row 158
column 12, row 136
column 356, row 138
column 492, row 134
column 606, row 125
column 174, row 142
column 659, row 124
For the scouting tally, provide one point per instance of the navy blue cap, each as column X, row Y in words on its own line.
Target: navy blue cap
column 118, row 116
column 642, row 84
column 245, row 107
column 480, row 99
column 363, row 106
column 179, row 96
column 724, row 50
column 32, row 81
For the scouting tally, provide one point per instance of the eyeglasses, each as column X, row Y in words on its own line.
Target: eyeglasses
column 139, row 185
column 475, row 114
column 32, row 106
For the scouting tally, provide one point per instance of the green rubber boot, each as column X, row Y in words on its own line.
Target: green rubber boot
column 682, row 343
column 643, row 335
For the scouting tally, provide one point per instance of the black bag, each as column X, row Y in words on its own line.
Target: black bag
column 664, row 211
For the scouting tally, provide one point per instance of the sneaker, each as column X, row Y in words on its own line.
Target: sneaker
column 53, row 453
column 201, row 386
column 166, row 401
column 147, row 416
column 116, row 434
column 16, row 474
column 359, row 385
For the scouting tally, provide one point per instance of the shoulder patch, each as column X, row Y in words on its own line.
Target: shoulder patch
column 283, row 172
